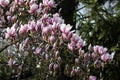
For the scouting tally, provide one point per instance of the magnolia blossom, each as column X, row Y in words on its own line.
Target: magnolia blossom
column 37, row 50
column 32, row 2
column 65, row 28
column 51, row 65
column 23, row 29
column 25, row 41
column 57, row 19
column 45, row 30
column 46, row 56
column 45, row 2
column 32, row 26
column 45, row 17
column 21, row 47
column 4, row 3
column 75, row 38
column 51, row 39
column 105, row 57
column 9, row 18
column 19, row 2
column 51, row 3
column 39, row 24
column 33, row 8
column 66, row 33
column 100, row 49
column 92, row 78
column 71, row 47
column 10, row 32
column 76, row 60
column 10, row 62
column 80, row 43
column 55, row 67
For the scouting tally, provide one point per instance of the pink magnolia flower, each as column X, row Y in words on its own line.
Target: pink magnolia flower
column 71, row 47
column 23, row 29
column 99, row 49
column 55, row 67
column 65, row 28
column 66, row 33
column 51, row 65
column 37, row 51
column 76, row 60
column 92, row 78
column 33, row 8
column 46, row 56
column 19, row 2
column 45, row 2
column 25, row 41
column 65, row 37
column 77, row 71
column 59, row 59
column 105, row 57
column 86, row 57
column 57, row 19
column 93, row 55
column 80, row 43
column 81, row 52
column 49, row 3
column 9, row 18
column 32, row 26
column 45, row 17
column 20, row 47
column 52, row 39
column 45, row 30
column 10, row 62
column 54, row 26
column 57, row 54
column 4, row 3
column 39, row 24
column 75, row 38
column 32, row 2
column 97, row 64
column 10, row 32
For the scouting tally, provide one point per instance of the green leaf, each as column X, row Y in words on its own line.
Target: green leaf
column 101, row 35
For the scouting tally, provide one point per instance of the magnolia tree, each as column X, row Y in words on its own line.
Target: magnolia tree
column 39, row 40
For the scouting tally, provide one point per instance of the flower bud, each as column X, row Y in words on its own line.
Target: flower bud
column 81, row 53
column 51, row 66
column 52, row 39
column 37, row 51
column 76, row 61
column 9, row 18
column 55, row 67
column 71, row 47
column 10, row 62
column 59, row 59
column 20, row 47
column 46, row 56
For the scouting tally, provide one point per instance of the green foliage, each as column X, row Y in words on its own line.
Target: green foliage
column 101, row 25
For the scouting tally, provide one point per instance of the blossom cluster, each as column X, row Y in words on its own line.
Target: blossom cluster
column 46, row 37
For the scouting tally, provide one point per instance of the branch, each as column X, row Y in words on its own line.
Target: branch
column 80, row 8
column 1, row 50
